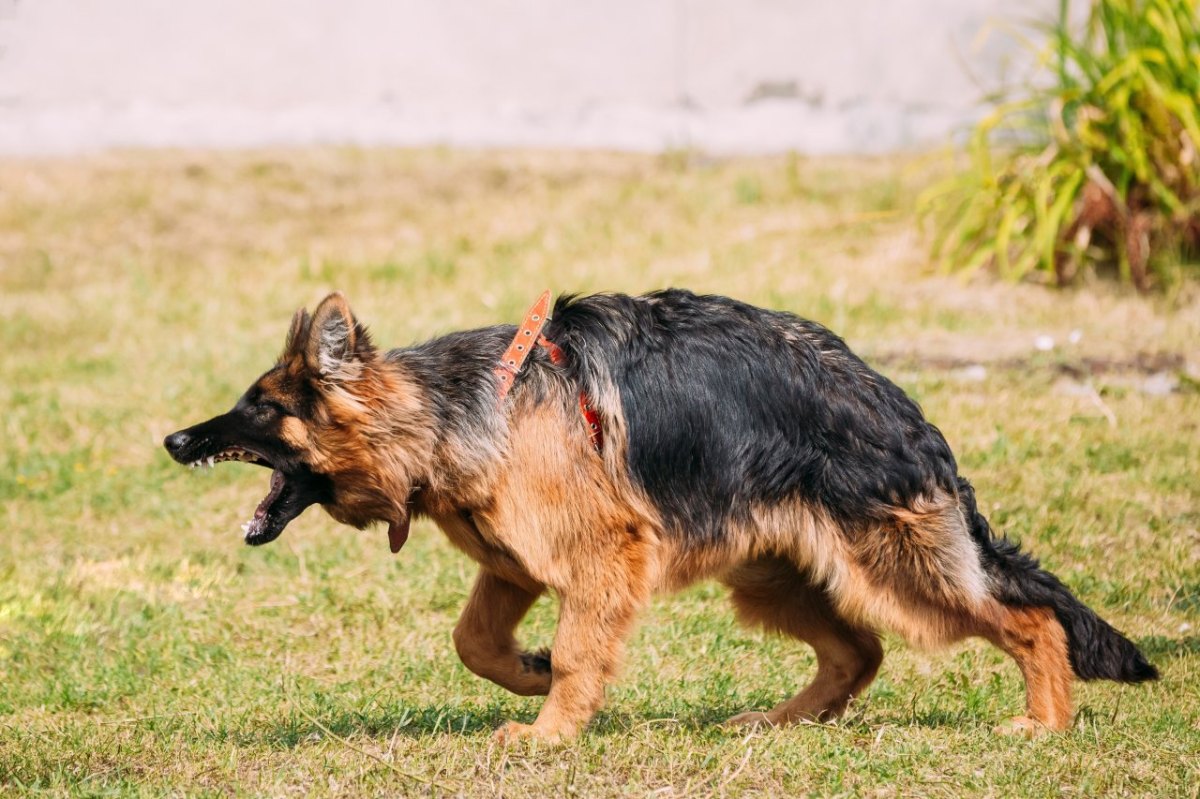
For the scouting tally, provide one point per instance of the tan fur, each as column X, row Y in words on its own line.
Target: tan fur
column 773, row 593
column 484, row 634
column 559, row 513
column 539, row 509
column 1035, row 639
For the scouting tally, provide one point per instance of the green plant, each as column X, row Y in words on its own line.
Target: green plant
column 1095, row 164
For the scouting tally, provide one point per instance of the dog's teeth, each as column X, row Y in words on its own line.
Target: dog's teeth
column 245, row 527
column 210, row 461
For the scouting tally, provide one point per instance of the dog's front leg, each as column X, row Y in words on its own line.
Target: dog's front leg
column 592, row 626
column 484, row 636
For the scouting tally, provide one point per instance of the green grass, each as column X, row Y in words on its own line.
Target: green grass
column 145, row 651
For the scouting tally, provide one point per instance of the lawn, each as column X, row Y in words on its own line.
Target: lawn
column 145, row 651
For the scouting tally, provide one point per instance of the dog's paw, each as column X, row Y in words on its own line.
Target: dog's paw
column 512, row 732
column 1022, row 727
column 751, row 718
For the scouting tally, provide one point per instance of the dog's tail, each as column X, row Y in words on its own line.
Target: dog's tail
column 1097, row 651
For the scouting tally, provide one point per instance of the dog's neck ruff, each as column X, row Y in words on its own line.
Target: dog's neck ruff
column 529, row 335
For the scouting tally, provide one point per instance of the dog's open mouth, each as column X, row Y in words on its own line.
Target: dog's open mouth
column 288, row 495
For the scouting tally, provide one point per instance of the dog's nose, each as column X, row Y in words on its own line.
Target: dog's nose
column 176, row 442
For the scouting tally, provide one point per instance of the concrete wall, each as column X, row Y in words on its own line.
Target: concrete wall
column 721, row 75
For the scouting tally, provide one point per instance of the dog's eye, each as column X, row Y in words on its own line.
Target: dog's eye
column 267, row 410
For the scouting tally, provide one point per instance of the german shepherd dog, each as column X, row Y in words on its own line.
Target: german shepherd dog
column 741, row 444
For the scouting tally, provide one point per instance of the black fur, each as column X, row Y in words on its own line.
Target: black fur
column 729, row 405
column 253, row 425
column 537, row 662
column 1097, row 650
column 456, row 372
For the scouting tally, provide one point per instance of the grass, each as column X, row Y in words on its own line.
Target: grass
column 144, row 651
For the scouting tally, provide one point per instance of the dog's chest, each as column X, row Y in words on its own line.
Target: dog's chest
column 467, row 533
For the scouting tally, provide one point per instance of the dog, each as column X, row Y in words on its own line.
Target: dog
column 623, row 446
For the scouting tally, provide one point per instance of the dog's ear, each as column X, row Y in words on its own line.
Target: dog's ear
column 297, row 337
column 336, row 343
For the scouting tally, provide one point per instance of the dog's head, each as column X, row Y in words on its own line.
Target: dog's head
column 309, row 420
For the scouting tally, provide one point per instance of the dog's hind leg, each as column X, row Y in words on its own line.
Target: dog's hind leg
column 1035, row 639
column 773, row 593
column 485, row 642
column 925, row 575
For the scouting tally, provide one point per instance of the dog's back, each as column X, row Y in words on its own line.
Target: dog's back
column 729, row 406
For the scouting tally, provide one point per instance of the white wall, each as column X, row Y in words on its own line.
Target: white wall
column 721, row 75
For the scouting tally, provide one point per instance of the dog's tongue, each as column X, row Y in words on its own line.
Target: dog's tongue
column 254, row 527
column 272, row 495
column 398, row 532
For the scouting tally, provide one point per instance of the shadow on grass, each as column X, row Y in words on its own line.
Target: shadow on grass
column 295, row 728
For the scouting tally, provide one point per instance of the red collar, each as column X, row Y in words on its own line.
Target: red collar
column 529, row 334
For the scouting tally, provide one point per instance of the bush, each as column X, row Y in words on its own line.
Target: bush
column 1095, row 165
